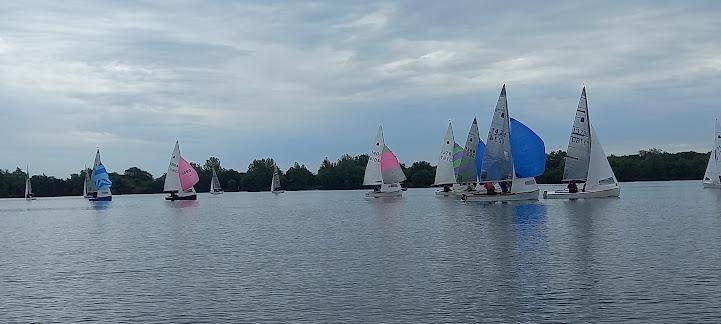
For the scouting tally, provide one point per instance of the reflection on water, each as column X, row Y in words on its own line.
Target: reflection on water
column 333, row 256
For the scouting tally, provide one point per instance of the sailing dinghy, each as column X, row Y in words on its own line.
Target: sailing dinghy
column 383, row 170
column 28, row 186
column 215, row 188
column 180, row 178
column 445, row 171
column 87, row 184
column 275, row 183
column 712, row 177
column 99, row 182
column 586, row 161
column 512, row 157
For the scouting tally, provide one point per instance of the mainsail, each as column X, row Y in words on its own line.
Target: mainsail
column 445, row 173
column 88, row 186
column 579, row 144
column 390, row 167
column 467, row 171
column 275, row 184
column 497, row 162
column 172, row 178
column 713, row 172
column 372, row 176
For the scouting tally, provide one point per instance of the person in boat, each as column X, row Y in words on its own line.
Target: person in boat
column 505, row 187
column 572, row 187
column 446, row 188
column 377, row 189
column 490, row 188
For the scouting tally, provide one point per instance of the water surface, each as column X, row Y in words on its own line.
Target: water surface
column 332, row 256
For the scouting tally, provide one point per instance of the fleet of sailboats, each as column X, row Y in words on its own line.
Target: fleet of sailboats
column 180, row 178
column 501, row 169
column 712, row 176
column 275, row 182
column 383, row 170
column 586, row 161
column 512, row 157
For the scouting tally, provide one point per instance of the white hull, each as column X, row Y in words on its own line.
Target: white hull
column 277, row 191
column 519, row 196
column 608, row 193
column 384, row 194
column 712, row 185
column 216, row 192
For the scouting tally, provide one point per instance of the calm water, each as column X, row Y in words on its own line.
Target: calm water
column 654, row 254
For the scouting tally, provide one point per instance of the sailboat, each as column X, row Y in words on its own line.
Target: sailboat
column 469, row 167
column 180, row 178
column 712, row 177
column 215, row 188
column 275, row 183
column 586, row 161
column 28, row 186
column 512, row 157
column 100, row 182
column 383, row 170
column 445, row 172
column 87, row 184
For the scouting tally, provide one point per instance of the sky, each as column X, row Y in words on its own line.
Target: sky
column 301, row 80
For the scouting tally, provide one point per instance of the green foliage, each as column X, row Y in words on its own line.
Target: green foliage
column 345, row 173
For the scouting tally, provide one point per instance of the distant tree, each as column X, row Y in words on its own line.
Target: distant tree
column 420, row 175
column 259, row 175
column 298, row 177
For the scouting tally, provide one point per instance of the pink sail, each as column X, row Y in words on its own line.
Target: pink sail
column 390, row 167
column 188, row 175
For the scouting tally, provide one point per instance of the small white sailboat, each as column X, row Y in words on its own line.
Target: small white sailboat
column 215, row 188
column 468, row 169
column 712, row 176
column 275, row 183
column 99, row 182
column 28, row 186
column 383, row 170
column 180, row 178
column 87, row 184
column 512, row 157
column 586, row 161
column 445, row 173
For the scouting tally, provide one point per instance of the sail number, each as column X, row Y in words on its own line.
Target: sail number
column 497, row 135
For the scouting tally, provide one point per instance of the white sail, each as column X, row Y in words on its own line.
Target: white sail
column 713, row 172
column 497, row 158
column 172, row 178
column 445, row 174
column 100, row 179
column 600, row 175
column 373, row 176
column 275, row 184
column 28, row 185
column 87, row 184
column 579, row 144
column 467, row 171
column 215, row 183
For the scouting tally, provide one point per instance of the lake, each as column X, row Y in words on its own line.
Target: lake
column 333, row 256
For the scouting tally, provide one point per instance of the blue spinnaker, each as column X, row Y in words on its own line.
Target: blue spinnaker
column 529, row 151
column 102, row 179
column 480, row 148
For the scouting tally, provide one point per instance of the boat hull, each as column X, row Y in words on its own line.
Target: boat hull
column 106, row 198
column 278, row 191
column 216, row 192
column 608, row 193
column 712, row 185
column 174, row 198
column 517, row 196
column 384, row 194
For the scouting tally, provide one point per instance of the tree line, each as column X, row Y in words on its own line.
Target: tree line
column 343, row 174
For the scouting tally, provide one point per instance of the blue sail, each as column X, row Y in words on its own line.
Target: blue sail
column 101, row 177
column 529, row 151
column 480, row 148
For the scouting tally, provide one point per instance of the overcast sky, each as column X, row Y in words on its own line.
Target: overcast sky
column 299, row 81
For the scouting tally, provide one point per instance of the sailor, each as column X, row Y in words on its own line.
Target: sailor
column 490, row 188
column 572, row 187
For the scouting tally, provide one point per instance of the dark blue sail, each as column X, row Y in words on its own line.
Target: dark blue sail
column 480, row 148
column 529, row 151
